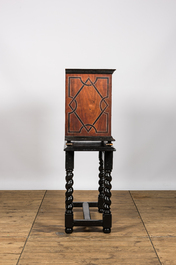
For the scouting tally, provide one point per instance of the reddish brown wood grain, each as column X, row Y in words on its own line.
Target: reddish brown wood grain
column 88, row 105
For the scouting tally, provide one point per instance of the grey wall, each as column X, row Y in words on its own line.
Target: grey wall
column 38, row 40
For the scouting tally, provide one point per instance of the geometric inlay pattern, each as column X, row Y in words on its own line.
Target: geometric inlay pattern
column 88, row 110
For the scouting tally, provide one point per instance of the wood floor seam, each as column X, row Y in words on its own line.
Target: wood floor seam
column 31, row 227
column 145, row 227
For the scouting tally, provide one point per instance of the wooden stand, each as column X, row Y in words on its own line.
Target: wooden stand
column 103, row 203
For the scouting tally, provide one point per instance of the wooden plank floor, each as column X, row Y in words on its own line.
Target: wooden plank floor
column 32, row 229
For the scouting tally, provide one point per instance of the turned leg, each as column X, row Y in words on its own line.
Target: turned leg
column 69, row 192
column 101, row 184
column 107, row 217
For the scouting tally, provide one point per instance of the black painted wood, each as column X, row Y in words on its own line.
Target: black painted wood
column 101, row 183
column 79, row 204
column 90, row 138
column 104, row 198
column 69, row 192
column 88, row 222
column 89, row 146
column 107, row 217
column 93, row 204
column 89, row 71
column 69, row 160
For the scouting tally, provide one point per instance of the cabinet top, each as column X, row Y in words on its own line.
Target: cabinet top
column 89, row 71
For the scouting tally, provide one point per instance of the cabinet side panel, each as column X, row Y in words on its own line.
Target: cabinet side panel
column 88, row 105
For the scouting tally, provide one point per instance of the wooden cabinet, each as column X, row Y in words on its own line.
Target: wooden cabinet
column 88, row 128
column 88, row 104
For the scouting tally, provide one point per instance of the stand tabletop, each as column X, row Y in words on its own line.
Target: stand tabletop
column 89, row 146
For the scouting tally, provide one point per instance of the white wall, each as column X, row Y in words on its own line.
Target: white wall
column 38, row 40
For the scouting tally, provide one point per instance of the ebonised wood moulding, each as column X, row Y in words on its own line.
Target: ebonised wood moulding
column 88, row 104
